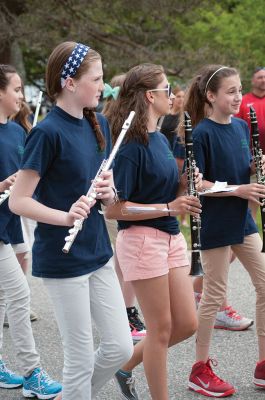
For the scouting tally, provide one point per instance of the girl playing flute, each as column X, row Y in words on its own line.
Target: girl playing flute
column 62, row 155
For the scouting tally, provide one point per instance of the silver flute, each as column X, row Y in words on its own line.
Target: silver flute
column 6, row 193
column 91, row 194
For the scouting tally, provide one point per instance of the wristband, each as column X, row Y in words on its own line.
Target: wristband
column 116, row 197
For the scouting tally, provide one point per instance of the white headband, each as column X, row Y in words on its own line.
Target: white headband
column 219, row 69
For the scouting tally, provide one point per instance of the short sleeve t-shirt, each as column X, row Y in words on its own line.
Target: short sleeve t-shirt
column 222, row 154
column 12, row 140
column 147, row 174
column 64, row 151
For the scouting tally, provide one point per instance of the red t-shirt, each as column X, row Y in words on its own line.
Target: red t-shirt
column 249, row 99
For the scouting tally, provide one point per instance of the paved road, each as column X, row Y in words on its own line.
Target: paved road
column 236, row 351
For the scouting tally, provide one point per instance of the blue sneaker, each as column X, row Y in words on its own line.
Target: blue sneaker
column 8, row 379
column 40, row 385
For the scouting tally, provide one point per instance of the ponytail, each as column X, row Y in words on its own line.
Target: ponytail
column 92, row 119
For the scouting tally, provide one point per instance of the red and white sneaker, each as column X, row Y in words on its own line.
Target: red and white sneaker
column 259, row 374
column 204, row 381
column 230, row 320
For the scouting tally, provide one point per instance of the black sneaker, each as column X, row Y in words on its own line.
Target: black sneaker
column 126, row 385
column 137, row 327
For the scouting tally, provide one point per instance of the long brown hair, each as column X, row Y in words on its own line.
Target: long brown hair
column 132, row 97
column 208, row 79
column 22, row 117
column 56, row 62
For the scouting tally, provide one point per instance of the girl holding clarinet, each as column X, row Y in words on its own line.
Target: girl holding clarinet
column 150, row 248
column 14, row 290
column 62, row 155
column 221, row 149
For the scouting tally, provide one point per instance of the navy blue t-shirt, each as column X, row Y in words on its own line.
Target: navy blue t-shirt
column 64, row 151
column 147, row 175
column 222, row 154
column 12, row 140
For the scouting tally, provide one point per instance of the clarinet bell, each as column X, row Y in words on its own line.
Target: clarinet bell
column 196, row 266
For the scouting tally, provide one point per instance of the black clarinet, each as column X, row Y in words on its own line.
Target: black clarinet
column 257, row 155
column 195, row 223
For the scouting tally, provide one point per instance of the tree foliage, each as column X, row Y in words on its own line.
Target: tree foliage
column 181, row 35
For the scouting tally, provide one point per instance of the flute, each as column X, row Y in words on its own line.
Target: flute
column 91, row 194
column 6, row 193
column 257, row 156
column 195, row 223
column 36, row 115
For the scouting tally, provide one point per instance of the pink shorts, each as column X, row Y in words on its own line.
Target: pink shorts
column 145, row 252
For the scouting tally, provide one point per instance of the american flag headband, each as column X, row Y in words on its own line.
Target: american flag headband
column 73, row 62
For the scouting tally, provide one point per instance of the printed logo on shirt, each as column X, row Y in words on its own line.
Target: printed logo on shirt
column 244, row 144
column 20, row 150
column 250, row 104
column 170, row 155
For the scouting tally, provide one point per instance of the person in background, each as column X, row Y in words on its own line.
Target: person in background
column 137, row 327
column 255, row 98
column 14, row 289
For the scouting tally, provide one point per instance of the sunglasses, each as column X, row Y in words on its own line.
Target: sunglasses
column 167, row 89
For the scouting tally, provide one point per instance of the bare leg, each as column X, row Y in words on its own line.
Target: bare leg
column 174, row 324
column 126, row 287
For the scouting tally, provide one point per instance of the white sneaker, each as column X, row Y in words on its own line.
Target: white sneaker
column 230, row 320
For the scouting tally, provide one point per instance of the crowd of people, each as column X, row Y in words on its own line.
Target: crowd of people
column 141, row 203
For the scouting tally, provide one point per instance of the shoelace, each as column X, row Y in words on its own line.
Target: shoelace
column 43, row 376
column 232, row 313
column 3, row 368
column 136, row 322
column 131, row 384
column 208, row 370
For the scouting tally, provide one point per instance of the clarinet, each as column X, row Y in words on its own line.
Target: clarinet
column 91, row 194
column 257, row 155
column 195, row 222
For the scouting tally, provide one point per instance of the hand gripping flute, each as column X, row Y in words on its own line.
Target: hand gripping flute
column 195, row 223
column 257, row 156
column 6, row 193
column 91, row 194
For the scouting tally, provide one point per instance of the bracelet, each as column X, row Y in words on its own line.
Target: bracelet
column 168, row 210
column 116, row 197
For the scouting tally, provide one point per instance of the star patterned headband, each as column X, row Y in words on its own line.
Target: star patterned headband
column 73, row 62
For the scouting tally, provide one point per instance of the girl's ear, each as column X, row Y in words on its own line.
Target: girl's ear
column 210, row 96
column 150, row 97
column 70, row 84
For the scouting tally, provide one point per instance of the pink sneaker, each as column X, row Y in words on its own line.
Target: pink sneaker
column 230, row 320
column 137, row 327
